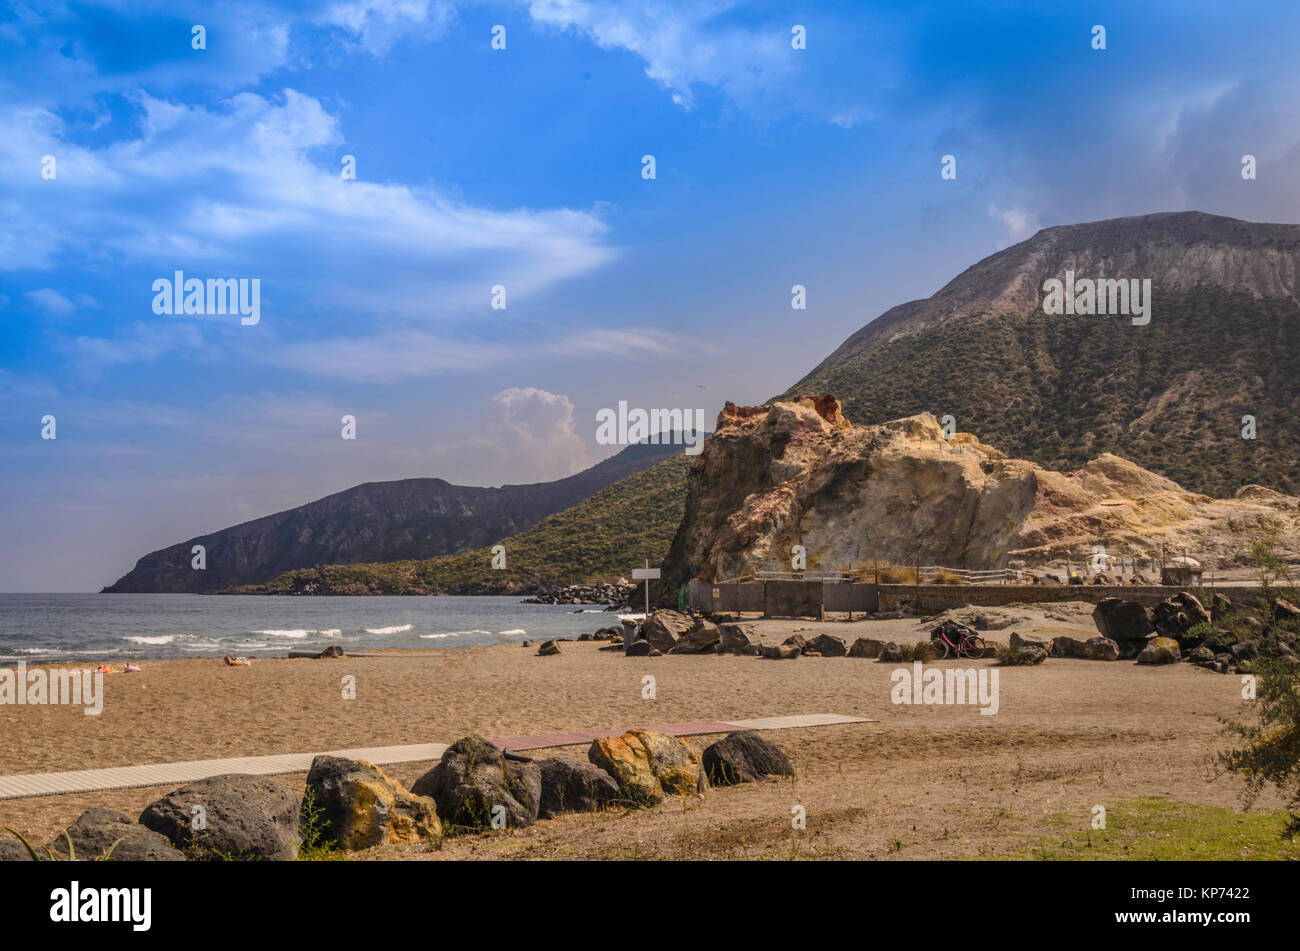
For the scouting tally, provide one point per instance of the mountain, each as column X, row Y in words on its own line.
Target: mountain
column 602, row 538
column 373, row 522
column 1223, row 342
column 798, row 472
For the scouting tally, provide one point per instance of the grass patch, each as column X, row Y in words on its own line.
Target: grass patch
column 1153, row 828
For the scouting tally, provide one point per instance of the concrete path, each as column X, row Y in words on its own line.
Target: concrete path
column 172, row 774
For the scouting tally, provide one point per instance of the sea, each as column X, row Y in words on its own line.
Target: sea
column 118, row 627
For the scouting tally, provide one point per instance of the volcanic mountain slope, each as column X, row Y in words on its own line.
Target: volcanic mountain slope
column 1223, row 343
column 798, row 473
column 376, row 522
column 602, row 538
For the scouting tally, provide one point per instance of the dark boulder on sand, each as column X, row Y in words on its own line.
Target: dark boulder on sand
column 229, row 817
column 744, row 757
column 474, row 777
column 107, row 832
column 570, row 785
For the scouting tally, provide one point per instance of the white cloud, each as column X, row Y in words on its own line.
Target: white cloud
column 252, row 189
column 1019, row 223
column 377, row 25
column 679, row 44
column 52, row 302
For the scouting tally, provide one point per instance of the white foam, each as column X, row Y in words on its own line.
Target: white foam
column 160, row 639
column 430, row 637
column 299, row 633
column 396, row 629
column 512, row 633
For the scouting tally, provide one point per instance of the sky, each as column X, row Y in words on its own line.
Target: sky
column 127, row 153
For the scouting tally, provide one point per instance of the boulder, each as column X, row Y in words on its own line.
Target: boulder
column 1022, row 644
column 797, row 641
column 1285, row 610
column 1160, row 650
column 1244, row 650
column 738, row 639
column 473, row 777
column 891, row 653
column 11, row 850
column 1122, row 621
column 866, row 647
column 1175, row 616
column 1202, row 656
column 100, row 830
column 1220, row 607
column 361, row 806
column 779, row 652
column 664, row 628
column 648, row 765
column 1094, row 648
column 332, row 651
column 702, row 639
column 570, row 785
column 638, row 648
column 743, row 757
column 243, row 817
column 827, row 645
column 548, row 649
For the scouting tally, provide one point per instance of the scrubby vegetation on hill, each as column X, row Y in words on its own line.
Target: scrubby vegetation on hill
column 1059, row 390
column 599, row 539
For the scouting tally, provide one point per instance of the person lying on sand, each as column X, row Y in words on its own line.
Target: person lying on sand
column 232, row 661
column 105, row 669
column 130, row 668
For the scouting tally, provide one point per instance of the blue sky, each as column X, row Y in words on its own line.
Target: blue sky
column 522, row 167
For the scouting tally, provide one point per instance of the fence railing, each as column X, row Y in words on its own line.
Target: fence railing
column 918, row 574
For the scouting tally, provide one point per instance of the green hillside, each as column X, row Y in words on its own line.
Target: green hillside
column 1060, row 390
column 599, row 539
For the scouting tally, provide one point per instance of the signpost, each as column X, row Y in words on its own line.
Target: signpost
column 647, row 573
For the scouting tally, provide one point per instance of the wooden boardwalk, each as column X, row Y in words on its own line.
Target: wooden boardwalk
column 173, row 774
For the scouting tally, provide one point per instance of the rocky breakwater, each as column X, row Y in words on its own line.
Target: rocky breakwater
column 615, row 594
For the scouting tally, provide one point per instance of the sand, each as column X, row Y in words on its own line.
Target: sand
column 920, row 782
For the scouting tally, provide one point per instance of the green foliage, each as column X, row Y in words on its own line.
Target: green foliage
column 1270, row 754
column 52, row 856
column 596, row 540
column 312, row 826
column 921, row 650
column 1009, row 656
column 1061, row 390
column 1157, row 829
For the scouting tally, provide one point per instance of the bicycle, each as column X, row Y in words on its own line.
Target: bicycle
column 968, row 644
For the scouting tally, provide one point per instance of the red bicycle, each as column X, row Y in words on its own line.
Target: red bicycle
column 953, row 641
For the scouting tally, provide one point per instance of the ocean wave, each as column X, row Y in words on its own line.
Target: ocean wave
column 396, row 629
column 298, row 633
column 430, row 637
column 511, row 633
column 160, row 639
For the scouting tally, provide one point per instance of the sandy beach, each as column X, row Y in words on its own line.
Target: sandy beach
column 918, row 782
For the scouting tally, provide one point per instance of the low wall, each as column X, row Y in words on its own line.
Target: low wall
column 783, row 598
column 933, row 598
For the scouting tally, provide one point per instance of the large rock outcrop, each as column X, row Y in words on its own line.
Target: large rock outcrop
column 798, row 473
